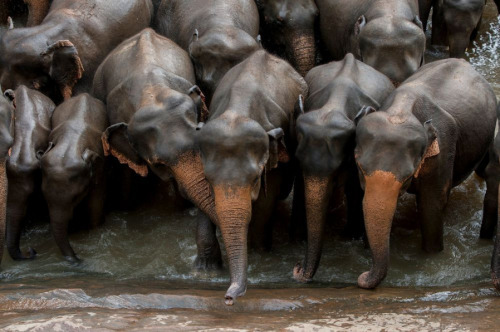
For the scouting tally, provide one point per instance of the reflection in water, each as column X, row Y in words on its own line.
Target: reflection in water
column 156, row 247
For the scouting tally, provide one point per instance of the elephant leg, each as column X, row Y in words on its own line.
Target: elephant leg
column 60, row 216
column 209, row 256
column 431, row 201
column 355, row 222
column 97, row 199
column 298, row 226
column 439, row 29
column 497, row 2
column 424, row 11
column 4, row 12
column 20, row 189
column 490, row 206
column 495, row 258
column 38, row 9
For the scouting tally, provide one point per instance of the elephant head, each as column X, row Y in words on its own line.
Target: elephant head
column 6, row 140
column 235, row 151
column 215, row 52
column 390, row 151
column 52, row 68
column 291, row 24
column 462, row 18
column 161, row 136
column 325, row 144
column 393, row 46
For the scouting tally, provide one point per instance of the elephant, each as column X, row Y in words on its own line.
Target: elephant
column 217, row 34
column 73, row 167
column 288, row 29
column 455, row 24
column 245, row 152
column 431, row 133
column 154, row 109
column 32, row 126
column 6, row 141
column 60, row 56
column 385, row 34
column 490, row 208
column 338, row 92
column 37, row 10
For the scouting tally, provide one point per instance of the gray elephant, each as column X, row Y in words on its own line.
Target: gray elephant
column 154, row 109
column 218, row 34
column 73, row 167
column 32, row 126
column 245, row 148
column 430, row 134
column 455, row 23
column 385, row 34
column 338, row 92
column 6, row 140
column 288, row 29
column 60, row 56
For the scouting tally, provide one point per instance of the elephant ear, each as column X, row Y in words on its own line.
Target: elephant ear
column 277, row 149
column 432, row 145
column 364, row 111
column 115, row 141
column 65, row 66
column 199, row 100
column 360, row 24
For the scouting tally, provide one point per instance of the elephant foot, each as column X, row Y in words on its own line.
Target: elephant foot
column 368, row 281
column 298, row 274
column 75, row 261
column 496, row 281
column 211, row 263
column 18, row 256
column 234, row 291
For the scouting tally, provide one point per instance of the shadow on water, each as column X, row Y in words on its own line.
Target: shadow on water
column 140, row 263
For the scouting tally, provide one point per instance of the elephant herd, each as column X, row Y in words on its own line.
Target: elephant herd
column 237, row 102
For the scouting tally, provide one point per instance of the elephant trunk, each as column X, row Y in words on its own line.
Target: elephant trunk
column 458, row 45
column 303, row 51
column 234, row 210
column 316, row 201
column 379, row 204
column 495, row 259
column 3, row 204
column 189, row 174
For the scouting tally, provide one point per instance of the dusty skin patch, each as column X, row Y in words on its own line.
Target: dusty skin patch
column 432, row 150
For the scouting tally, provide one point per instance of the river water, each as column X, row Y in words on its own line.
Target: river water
column 137, row 269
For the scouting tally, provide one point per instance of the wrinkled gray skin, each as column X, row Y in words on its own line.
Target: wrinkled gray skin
column 288, row 30
column 427, row 138
column 60, row 56
column 385, row 34
column 153, row 113
column 227, row 32
column 32, row 125
column 6, row 140
column 244, row 152
column 455, row 23
column 326, row 133
column 490, row 209
column 73, row 167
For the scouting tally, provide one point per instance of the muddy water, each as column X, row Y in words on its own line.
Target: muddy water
column 137, row 269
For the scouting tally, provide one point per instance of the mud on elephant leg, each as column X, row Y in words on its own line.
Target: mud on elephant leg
column 38, row 9
column 20, row 188
column 209, row 255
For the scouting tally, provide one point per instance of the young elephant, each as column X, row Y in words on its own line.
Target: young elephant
column 218, row 34
column 429, row 135
column 455, row 24
column 73, row 166
column 338, row 91
column 385, row 34
column 244, row 144
column 32, row 125
column 6, row 140
column 154, row 109
column 75, row 35
column 288, row 28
